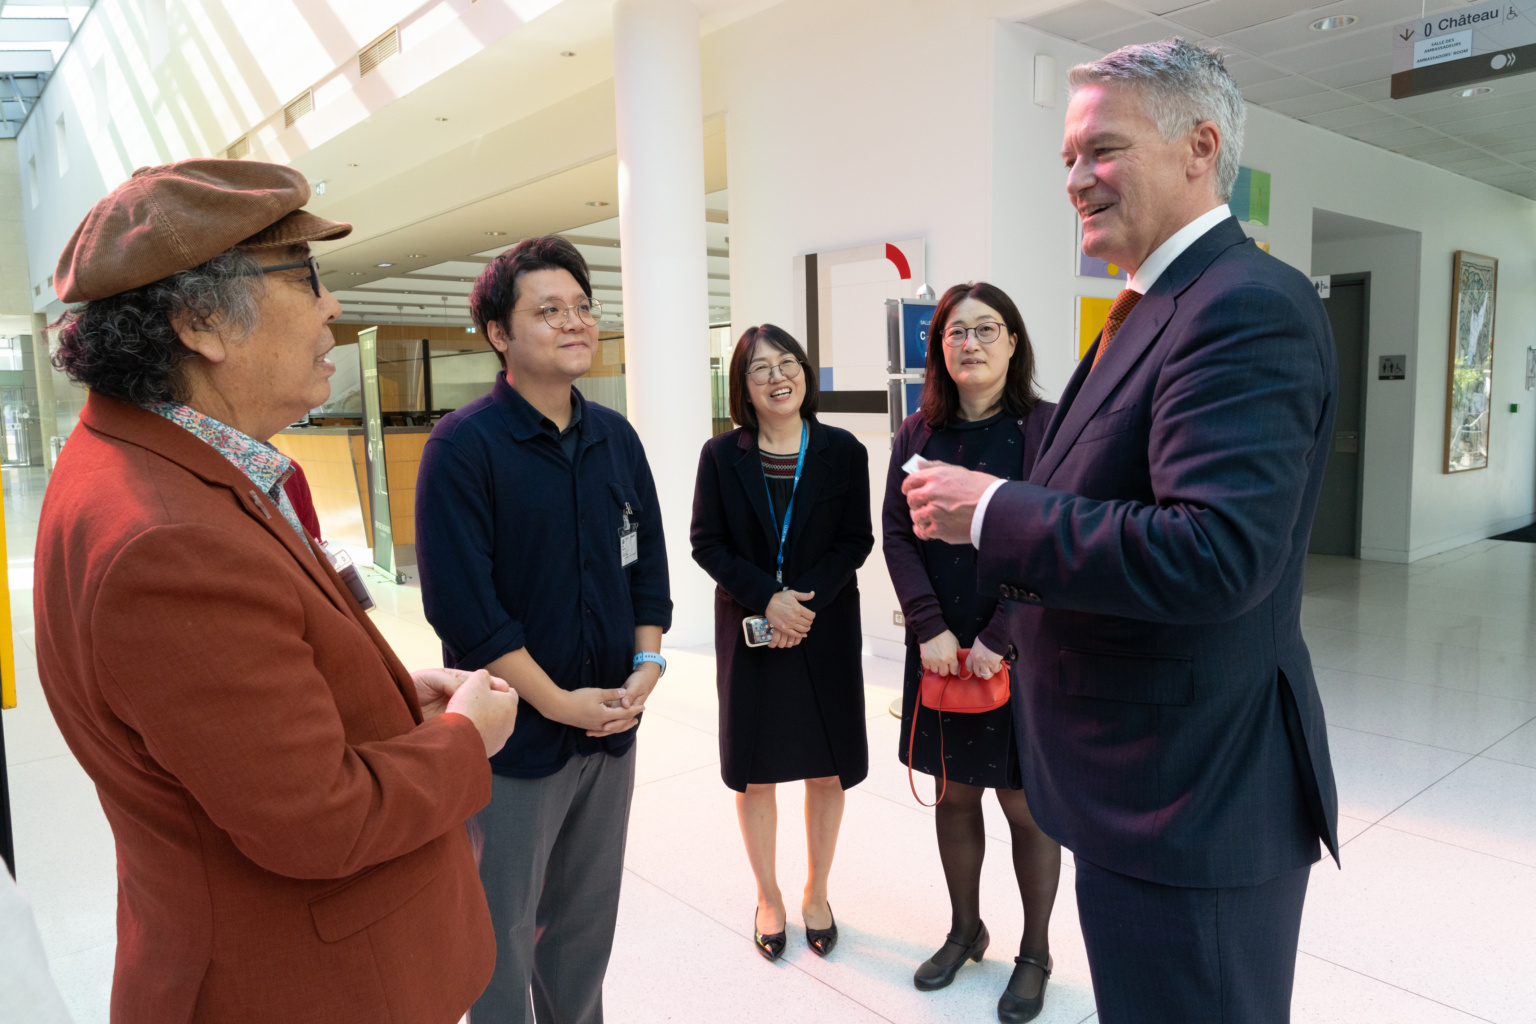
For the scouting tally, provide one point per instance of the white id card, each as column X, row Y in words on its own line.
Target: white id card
column 915, row 464
column 629, row 543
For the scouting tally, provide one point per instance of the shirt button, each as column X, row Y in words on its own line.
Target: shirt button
column 588, row 659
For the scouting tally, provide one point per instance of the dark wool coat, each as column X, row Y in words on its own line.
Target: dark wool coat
column 736, row 542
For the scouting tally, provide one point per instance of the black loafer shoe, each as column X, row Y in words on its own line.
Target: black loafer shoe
column 821, row 940
column 1012, row 1009
column 931, row 975
column 771, row 946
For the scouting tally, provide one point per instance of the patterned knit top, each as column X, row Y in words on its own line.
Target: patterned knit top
column 779, row 471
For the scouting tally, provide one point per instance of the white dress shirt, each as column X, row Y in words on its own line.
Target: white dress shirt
column 1142, row 281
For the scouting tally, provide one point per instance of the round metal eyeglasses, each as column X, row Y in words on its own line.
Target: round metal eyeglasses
column 986, row 333
column 788, row 367
column 588, row 313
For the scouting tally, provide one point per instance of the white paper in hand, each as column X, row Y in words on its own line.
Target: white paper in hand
column 915, row 464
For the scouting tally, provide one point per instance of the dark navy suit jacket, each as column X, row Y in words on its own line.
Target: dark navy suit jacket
column 1169, row 724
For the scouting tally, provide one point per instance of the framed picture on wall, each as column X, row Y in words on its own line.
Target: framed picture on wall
column 1469, row 385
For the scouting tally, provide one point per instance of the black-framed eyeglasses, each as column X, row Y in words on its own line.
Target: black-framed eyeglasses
column 788, row 367
column 986, row 333
column 311, row 264
column 588, row 313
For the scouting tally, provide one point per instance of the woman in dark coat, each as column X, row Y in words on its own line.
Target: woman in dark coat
column 979, row 411
column 793, row 709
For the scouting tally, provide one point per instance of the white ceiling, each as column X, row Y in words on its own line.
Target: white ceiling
column 421, row 292
column 1338, row 80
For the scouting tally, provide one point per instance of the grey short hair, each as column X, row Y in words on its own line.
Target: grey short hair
column 1182, row 84
column 126, row 346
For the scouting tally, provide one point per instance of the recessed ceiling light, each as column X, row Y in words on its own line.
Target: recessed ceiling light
column 1337, row 21
column 495, row 233
column 597, row 202
column 383, row 264
column 351, row 165
column 415, row 255
column 567, row 53
column 439, row 119
column 1476, row 90
column 357, row 273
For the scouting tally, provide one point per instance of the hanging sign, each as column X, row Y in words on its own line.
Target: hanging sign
column 1463, row 46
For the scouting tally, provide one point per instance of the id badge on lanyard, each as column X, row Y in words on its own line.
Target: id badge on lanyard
column 629, row 539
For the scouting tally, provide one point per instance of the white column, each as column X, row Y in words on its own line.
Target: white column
column 658, row 101
column 47, row 407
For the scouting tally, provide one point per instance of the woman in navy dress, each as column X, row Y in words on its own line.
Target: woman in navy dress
column 980, row 411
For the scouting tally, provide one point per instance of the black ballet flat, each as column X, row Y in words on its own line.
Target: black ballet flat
column 821, row 940
column 1012, row 1009
column 771, row 946
column 931, row 976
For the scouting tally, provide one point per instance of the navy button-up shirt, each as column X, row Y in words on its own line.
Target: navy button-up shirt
column 517, row 545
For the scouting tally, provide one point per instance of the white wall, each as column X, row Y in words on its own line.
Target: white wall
column 1386, row 495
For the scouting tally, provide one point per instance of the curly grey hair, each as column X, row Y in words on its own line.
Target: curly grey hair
column 125, row 346
column 1182, row 84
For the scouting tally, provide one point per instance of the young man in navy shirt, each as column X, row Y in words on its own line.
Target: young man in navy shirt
column 539, row 542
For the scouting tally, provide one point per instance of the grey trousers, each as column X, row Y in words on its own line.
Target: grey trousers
column 551, row 854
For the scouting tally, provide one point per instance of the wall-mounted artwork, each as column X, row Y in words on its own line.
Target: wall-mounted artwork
column 1250, row 196
column 1469, row 388
column 841, row 294
column 1092, row 312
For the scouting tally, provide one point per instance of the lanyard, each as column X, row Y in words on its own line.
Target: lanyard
column 805, row 433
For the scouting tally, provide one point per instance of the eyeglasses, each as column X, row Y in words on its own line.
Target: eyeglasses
column 311, row 264
column 986, row 333
column 788, row 367
column 588, row 313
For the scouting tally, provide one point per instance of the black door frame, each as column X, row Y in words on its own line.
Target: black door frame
column 1363, row 279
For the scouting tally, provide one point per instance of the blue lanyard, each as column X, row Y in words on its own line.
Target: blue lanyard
column 789, row 510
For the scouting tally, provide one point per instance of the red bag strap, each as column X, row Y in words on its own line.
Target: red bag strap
column 917, row 706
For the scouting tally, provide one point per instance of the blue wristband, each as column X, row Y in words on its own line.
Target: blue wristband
column 647, row 656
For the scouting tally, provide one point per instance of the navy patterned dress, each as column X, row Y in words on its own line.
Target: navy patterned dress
column 979, row 749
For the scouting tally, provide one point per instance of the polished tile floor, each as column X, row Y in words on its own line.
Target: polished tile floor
column 1428, row 672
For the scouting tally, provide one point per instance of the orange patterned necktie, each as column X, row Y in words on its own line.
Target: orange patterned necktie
column 1124, row 303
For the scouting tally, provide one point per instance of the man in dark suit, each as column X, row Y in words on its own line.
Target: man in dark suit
column 1171, row 733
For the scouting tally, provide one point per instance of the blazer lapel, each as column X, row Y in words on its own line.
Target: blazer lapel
column 159, row 435
column 749, row 467
column 812, row 478
column 1088, row 391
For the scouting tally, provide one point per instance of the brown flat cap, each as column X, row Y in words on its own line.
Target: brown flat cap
column 171, row 218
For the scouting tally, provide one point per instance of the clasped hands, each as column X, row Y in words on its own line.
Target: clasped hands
column 943, row 498
column 791, row 620
column 942, row 655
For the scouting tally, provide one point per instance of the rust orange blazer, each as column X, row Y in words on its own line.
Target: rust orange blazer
column 290, row 836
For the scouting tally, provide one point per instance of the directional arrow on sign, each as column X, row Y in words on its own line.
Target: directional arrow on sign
column 1407, row 35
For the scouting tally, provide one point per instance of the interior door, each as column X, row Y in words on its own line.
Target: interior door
column 1336, row 529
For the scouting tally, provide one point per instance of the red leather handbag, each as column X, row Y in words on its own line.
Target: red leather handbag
column 962, row 694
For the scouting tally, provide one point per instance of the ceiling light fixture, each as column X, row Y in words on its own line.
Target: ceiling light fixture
column 383, row 264
column 1336, row 22
column 1476, row 90
column 351, row 165
column 495, row 234
column 415, row 255
column 567, row 53
column 597, row 202
column 439, row 119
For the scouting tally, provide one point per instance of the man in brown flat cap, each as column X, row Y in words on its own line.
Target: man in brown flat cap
column 288, row 802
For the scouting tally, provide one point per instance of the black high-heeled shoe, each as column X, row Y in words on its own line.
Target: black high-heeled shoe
column 771, row 946
column 930, row 975
column 1012, row 1009
column 821, row 940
